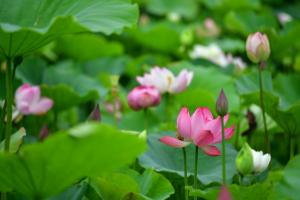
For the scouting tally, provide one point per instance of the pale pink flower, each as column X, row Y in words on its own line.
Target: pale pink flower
column 165, row 81
column 143, row 97
column 201, row 129
column 258, row 47
column 29, row 101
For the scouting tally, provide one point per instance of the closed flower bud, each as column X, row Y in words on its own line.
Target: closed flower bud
column 95, row 114
column 244, row 160
column 258, row 47
column 222, row 104
column 143, row 97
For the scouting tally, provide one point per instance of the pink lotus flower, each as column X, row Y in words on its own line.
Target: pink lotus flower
column 29, row 101
column 165, row 81
column 143, row 97
column 201, row 129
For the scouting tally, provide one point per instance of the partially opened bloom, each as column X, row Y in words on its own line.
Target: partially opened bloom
column 165, row 81
column 143, row 97
column 251, row 161
column 258, row 47
column 29, row 101
column 201, row 129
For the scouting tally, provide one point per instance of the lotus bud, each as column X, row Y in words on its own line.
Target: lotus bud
column 143, row 97
column 44, row 133
column 222, row 104
column 244, row 160
column 258, row 47
column 224, row 194
column 95, row 114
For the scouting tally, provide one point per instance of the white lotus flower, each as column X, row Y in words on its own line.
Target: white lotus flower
column 260, row 161
column 212, row 53
column 165, row 81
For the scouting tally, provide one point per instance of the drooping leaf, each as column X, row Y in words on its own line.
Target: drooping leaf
column 45, row 169
column 28, row 25
column 16, row 140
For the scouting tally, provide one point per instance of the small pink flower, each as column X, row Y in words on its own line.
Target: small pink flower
column 201, row 129
column 29, row 101
column 165, row 81
column 143, row 97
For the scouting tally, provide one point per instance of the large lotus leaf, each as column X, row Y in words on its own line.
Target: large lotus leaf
column 161, row 37
column 26, row 25
column 91, row 47
column 282, row 102
column 132, row 185
column 185, row 8
column 44, row 169
column 288, row 188
column 245, row 22
column 164, row 158
column 70, row 74
column 225, row 5
column 259, row 191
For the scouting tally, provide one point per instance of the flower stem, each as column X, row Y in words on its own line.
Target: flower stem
column 267, row 143
column 223, row 152
column 291, row 145
column 9, row 102
column 196, row 170
column 145, row 118
column 185, row 174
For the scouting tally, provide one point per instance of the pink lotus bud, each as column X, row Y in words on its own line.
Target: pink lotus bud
column 143, row 97
column 258, row 47
column 224, row 194
column 95, row 114
column 29, row 101
column 44, row 132
column 222, row 104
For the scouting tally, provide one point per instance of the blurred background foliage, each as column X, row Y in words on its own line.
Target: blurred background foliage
column 75, row 71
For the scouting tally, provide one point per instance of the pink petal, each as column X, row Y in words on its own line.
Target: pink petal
column 41, row 107
column 198, row 122
column 184, row 123
column 23, row 87
column 224, row 194
column 211, row 150
column 173, row 142
column 205, row 138
column 182, row 81
column 207, row 114
column 229, row 132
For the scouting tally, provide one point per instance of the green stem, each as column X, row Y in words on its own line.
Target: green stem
column 3, row 196
column 267, row 143
column 185, row 174
column 145, row 118
column 9, row 103
column 292, row 146
column 196, row 170
column 223, row 152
